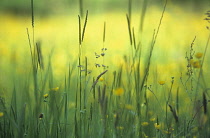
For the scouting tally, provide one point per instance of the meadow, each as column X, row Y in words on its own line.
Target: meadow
column 129, row 72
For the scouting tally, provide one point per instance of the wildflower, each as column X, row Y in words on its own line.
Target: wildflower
column 101, row 79
column 118, row 91
column 115, row 115
column 46, row 95
column 145, row 136
column 166, row 131
column 71, row 105
column 128, row 106
column 41, row 116
column 171, row 129
column 196, row 64
column 157, row 126
column 152, row 119
column 161, row 82
column 1, row 114
column 55, row 89
column 144, row 123
column 198, row 55
column 150, row 113
column 120, row 127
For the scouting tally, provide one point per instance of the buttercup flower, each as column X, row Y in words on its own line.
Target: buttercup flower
column 128, row 106
column 196, row 64
column 161, row 82
column 46, row 95
column 199, row 55
column 54, row 89
column 1, row 114
column 101, row 79
column 157, row 126
column 152, row 119
column 120, row 127
column 144, row 123
column 119, row 91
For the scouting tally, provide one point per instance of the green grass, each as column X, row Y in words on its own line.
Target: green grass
column 97, row 94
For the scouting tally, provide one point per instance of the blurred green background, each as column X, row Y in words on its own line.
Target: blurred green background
column 46, row 7
column 56, row 26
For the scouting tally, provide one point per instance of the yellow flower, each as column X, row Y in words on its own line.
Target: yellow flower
column 152, row 119
column 161, row 82
column 115, row 115
column 167, row 132
column 72, row 105
column 145, row 136
column 157, row 126
column 54, row 89
column 118, row 91
column 144, row 123
column 1, row 114
column 198, row 55
column 120, row 127
column 129, row 107
column 196, row 64
column 101, row 79
column 46, row 95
